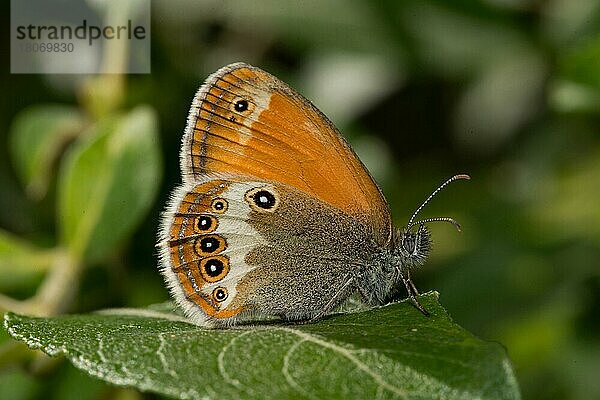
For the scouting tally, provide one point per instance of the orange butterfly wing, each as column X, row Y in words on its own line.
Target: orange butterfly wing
column 246, row 122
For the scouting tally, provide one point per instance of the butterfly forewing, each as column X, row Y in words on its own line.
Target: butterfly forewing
column 245, row 122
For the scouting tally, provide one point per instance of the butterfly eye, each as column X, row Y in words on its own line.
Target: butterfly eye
column 205, row 223
column 220, row 294
column 262, row 199
column 215, row 268
column 219, row 205
column 409, row 242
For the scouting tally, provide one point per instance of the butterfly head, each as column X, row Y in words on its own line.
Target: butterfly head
column 411, row 244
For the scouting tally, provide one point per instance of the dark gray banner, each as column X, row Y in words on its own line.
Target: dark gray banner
column 78, row 36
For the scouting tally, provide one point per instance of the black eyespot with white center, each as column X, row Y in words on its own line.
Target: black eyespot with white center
column 264, row 199
column 220, row 294
column 241, row 105
column 213, row 267
column 205, row 223
column 219, row 205
column 209, row 244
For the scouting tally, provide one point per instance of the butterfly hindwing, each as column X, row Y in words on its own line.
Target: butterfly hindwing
column 231, row 248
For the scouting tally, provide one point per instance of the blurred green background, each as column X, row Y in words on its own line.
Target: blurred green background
column 505, row 90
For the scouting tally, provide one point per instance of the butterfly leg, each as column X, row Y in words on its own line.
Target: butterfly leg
column 331, row 304
column 364, row 295
column 413, row 293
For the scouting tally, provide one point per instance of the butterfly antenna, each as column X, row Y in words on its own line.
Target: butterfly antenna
column 431, row 196
column 436, row 219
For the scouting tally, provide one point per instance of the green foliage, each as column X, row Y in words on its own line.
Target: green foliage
column 388, row 352
column 38, row 135
column 108, row 182
column 580, row 64
column 21, row 263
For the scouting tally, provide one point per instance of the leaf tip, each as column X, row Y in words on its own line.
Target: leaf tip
column 7, row 317
column 9, row 323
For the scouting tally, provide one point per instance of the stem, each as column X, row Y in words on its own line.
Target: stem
column 60, row 286
column 54, row 294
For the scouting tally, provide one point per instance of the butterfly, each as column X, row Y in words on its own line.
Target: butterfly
column 276, row 215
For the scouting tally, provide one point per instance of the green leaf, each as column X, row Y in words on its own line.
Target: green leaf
column 38, row 135
column 108, row 183
column 21, row 263
column 16, row 384
column 387, row 352
column 580, row 64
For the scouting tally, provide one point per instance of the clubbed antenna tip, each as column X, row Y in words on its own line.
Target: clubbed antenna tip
column 411, row 222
